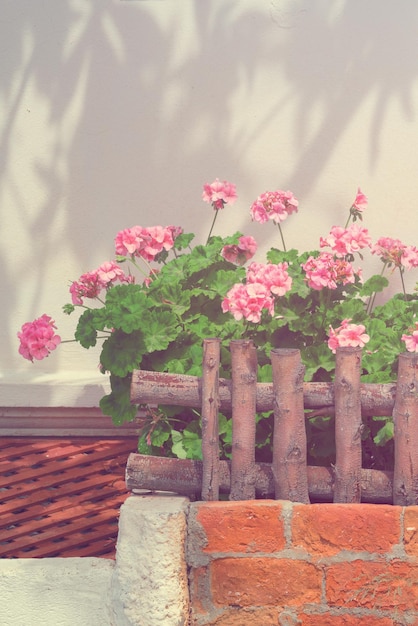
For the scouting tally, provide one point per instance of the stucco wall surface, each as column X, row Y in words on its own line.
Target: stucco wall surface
column 55, row 592
column 115, row 113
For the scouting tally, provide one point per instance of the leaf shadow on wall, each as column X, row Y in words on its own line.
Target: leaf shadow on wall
column 141, row 106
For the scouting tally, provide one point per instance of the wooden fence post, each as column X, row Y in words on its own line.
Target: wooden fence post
column 405, row 418
column 244, row 382
column 210, row 424
column 289, row 437
column 348, row 425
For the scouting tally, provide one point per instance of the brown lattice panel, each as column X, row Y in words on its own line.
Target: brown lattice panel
column 61, row 498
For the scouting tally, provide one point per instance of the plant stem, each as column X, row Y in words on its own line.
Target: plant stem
column 213, row 224
column 403, row 284
column 282, row 238
column 372, row 298
column 325, row 298
column 348, row 220
column 151, row 270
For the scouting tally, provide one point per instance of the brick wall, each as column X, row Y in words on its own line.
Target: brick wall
column 277, row 563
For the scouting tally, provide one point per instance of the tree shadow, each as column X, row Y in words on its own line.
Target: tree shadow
column 142, row 113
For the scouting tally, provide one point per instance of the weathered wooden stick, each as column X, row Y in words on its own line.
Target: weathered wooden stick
column 184, row 476
column 405, row 418
column 244, row 381
column 289, row 437
column 210, row 424
column 348, row 425
column 182, row 390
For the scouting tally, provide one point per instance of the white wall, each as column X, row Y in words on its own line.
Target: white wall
column 116, row 112
column 56, row 592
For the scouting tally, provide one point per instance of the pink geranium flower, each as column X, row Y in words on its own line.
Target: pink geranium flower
column 175, row 231
column 409, row 257
column 329, row 271
column 219, row 193
column 110, row 272
column 274, row 277
column 389, row 250
column 248, row 301
column 360, row 203
column 347, row 335
column 88, row 285
column 144, row 242
column 242, row 252
column 273, row 205
column 411, row 341
column 343, row 241
column 264, row 281
column 155, row 240
column 128, row 241
column 38, row 338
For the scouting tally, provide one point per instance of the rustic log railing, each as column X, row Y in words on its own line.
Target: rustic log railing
column 288, row 476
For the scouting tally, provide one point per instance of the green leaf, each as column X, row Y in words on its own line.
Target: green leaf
column 122, row 353
column 159, row 330
column 117, row 404
column 160, row 433
column 265, row 373
column 274, row 255
column 375, row 284
column 68, row 309
column 177, row 447
column 189, row 445
column 125, row 306
column 89, row 323
column 154, row 438
column 183, row 241
column 171, row 295
column 385, row 434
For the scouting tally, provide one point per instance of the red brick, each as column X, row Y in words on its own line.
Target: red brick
column 327, row 529
column 264, row 582
column 247, row 617
column 411, row 530
column 326, row 619
column 373, row 585
column 253, row 526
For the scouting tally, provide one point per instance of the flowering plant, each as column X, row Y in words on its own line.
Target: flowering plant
column 314, row 301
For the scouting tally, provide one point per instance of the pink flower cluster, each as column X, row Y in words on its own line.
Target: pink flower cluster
column 347, row 335
column 241, row 252
column 38, row 338
column 219, row 193
column 343, row 241
column 273, row 205
column 263, row 282
column 145, row 242
column 329, row 271
column 394, row 252
column 411, row 341
column 274, row 277
column 90, row 284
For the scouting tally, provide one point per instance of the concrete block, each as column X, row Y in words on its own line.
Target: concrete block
column 150, row 586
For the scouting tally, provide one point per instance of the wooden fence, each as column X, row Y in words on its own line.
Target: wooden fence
column 288, row 477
